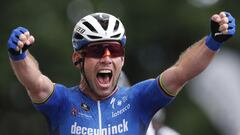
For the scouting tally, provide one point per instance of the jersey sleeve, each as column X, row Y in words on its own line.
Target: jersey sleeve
column 52, row 106
column 150, row 97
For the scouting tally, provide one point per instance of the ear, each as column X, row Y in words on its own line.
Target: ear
column 75, row 58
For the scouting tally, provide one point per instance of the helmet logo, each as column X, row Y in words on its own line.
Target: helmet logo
column 80, row 30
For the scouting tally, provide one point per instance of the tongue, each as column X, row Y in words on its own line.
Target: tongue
column 104, row 79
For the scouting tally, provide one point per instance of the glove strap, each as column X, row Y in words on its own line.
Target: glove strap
column 18, row 57
column 212, row 44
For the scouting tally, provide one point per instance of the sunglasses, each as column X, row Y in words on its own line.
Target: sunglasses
column 99, row 50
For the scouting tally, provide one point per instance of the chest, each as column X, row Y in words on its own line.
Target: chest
column 112, row 116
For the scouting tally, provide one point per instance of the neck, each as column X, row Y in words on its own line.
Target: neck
column 84, row 87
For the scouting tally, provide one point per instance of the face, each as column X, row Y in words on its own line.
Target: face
column 102, row 68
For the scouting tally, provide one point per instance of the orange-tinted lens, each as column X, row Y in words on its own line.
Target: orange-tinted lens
column 98, row 50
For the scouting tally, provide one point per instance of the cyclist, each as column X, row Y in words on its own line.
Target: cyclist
column 97, row 105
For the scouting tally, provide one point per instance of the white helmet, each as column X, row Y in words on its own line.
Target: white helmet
column 98, row 27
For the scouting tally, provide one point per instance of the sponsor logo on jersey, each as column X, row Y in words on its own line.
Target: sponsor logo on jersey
column 118, row 102
column 119, row 106
column 112, row 102
column 85, row 107
column 121, row 111
column 109, row 130
column 76, row 113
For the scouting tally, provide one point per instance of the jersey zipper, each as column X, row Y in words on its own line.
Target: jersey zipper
column 99, row 117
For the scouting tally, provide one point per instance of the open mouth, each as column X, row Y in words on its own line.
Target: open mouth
column 104, row 76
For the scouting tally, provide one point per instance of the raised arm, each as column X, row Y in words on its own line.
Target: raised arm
column 38, row 86
column 197, row 57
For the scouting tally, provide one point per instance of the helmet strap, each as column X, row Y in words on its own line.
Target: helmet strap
column 83, row 72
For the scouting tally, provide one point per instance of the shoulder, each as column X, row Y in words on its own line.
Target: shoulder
column 59, row 86
column 143, row 87
column 64, row 90
column 144, row 83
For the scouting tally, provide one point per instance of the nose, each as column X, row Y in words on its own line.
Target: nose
column 106, row 57
column 106, row 53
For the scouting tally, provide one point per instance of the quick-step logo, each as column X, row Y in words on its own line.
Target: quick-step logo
column 109, row 130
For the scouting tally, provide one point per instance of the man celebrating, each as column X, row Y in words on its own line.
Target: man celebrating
column 97, row 105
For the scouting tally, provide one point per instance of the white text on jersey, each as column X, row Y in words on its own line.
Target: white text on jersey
column 110, row 130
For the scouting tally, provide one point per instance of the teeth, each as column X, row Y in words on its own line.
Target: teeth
column 105, row 71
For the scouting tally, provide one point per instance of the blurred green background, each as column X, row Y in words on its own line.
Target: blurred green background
column 157, row 32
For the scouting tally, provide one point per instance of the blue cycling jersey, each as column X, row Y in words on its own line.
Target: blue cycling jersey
column 127, row 112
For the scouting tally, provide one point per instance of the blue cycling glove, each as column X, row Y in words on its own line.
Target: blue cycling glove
column 216, row 38
column 14, row 51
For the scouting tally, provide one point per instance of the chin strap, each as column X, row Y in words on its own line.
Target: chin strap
column 81, row 62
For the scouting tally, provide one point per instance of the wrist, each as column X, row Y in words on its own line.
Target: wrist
column 212, row 44
column 18, row 57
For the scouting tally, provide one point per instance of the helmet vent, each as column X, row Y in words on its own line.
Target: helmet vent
column 77, row 36
column 103, row 20
column 104, row 24
column 115, row 36
column 94, row 37
column 89, row 26
column 116, row 25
